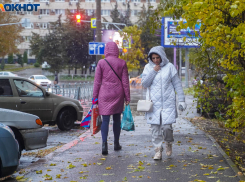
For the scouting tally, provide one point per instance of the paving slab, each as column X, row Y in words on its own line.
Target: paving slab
column 195, row 157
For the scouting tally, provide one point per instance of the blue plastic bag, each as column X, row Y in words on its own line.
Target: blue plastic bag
column 127, row 122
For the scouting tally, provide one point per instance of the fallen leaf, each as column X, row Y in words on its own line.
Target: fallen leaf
column 39, row 172
column 70, row 166
column 58, row 175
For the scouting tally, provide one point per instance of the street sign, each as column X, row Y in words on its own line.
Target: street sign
column 96, row 48
column 170, row 36
column 93, row 22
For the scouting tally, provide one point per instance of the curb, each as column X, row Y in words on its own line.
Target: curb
column 227, row 158
column 62, row 149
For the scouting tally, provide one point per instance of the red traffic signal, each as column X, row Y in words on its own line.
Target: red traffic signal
column 78, row 20
column 78, row 17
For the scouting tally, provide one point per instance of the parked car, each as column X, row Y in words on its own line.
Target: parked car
column 136, row 80
column 7, row 73
column 9, row 151
column 45, row 65
column 22, row 94
column 27, row 129
column 40, row 80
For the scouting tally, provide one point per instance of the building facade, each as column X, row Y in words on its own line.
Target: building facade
column 49, row 10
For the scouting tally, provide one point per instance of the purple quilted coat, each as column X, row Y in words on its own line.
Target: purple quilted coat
column 109, row 90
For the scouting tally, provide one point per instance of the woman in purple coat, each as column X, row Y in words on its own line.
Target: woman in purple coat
column 111, row 87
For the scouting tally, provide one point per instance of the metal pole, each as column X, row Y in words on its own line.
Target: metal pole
column 98, row 25
column 180, row 63
column 186, row 68
column 175, row 57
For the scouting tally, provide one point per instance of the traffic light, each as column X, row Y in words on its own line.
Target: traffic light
column 125, row 50
column 78, row 20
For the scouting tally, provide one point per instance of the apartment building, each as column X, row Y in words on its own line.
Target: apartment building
column 49, row 10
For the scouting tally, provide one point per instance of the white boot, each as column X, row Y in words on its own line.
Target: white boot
column 158, row 154
column 168, row 148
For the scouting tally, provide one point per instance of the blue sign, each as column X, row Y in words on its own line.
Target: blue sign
column 96, row 48
column 185, row 38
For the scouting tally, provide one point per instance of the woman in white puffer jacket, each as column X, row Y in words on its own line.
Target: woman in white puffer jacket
column 161, row 80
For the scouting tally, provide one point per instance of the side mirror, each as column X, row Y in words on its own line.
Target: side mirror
column 47, row 94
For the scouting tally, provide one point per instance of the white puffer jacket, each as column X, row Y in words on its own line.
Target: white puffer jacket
column 162, row 86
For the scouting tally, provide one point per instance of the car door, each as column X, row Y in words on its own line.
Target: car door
column 32, row 100
column 7, row 99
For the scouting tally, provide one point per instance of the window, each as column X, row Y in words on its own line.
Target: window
column 89, row 0
column 5, row 88
column 44, row 25
column 120, row 0
column 73, row 0
column 135, row 1
column 27, row 89
column 29, row 52
column 44, row 0
column 105, row 12
column 134, row 12
column 28, row 0
column 89, row 12
column 73, row 10
column 28, row 12
column 59, row 11
column 105, row 0
column 15, row 1
column 27, row 38
column 59, row 0
column 44, row 11
column 152, row 1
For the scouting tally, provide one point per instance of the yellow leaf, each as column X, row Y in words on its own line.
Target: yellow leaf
column 19, row 177
column 206, row 174
column 52, row 164
column 39, row 172
column 58, row 175
column 108, row 168
column 70, row 166
column 103, row 159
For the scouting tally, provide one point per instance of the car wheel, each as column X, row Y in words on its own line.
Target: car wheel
column 66, row 120
column 18, row 137
column 1, row 168
column 20, row 146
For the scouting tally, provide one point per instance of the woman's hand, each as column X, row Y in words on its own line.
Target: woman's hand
column 157, row 68
column 126, row 102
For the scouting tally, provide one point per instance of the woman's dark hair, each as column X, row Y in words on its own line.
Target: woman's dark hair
column 150, row 56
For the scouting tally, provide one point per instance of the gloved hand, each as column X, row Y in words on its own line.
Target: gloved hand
column 182, row 106
column 94, row 101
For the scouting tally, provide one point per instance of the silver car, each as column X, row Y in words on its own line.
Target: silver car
column 7, row 73
column 9, row 151
column 40, row 80
column 27, row 129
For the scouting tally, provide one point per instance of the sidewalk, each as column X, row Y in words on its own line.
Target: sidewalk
column 195, row 157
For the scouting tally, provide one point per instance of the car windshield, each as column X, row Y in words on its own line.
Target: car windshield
column 41, row 77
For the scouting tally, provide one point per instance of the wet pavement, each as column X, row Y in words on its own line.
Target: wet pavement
column 195, row 157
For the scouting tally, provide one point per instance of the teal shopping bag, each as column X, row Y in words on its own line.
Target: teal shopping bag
column 127, row 122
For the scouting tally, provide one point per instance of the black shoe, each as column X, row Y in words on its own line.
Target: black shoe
column 117, row 146
column 104, row 148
